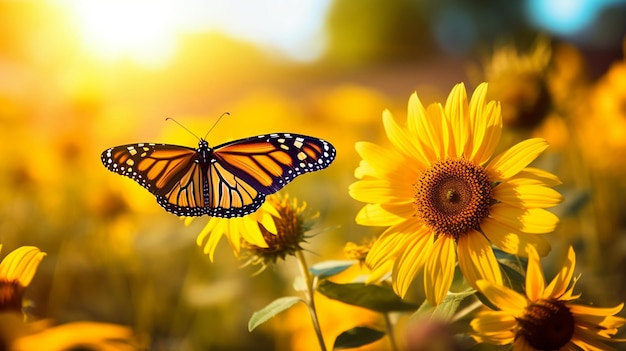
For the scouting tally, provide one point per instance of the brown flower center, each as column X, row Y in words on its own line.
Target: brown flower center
column 453, row 196
column 11, row 293
column 290, row 229
column 547, row 325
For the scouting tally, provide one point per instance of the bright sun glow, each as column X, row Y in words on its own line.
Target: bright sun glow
column 147, row 31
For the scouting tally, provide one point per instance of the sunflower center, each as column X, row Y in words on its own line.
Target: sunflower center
column 11, row 293
column 547, row 325
column 453, row 196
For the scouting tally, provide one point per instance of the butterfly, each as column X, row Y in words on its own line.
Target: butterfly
column 228, row 180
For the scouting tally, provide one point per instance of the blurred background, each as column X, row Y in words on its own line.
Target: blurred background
column 77, row 77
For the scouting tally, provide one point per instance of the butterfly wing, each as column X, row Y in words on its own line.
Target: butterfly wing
column 244, row 171
column 170, row 172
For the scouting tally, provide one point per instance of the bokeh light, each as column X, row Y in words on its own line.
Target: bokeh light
column 149, row 31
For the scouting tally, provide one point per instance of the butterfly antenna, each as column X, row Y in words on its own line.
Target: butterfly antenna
column 216, row 122
column 185, row 128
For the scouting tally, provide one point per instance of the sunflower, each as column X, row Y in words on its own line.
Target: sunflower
column 239, row 229
column 291, row 222
column 16, row 272
column 545, row 318
column 443, row 202
column 528, row 101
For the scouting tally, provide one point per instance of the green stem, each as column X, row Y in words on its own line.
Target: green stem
column 310, row 301
column 389, row 326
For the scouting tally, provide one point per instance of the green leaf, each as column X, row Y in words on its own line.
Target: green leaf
column 370, row 296
column 446, row 309
column 275, row 307
column 327, row 269
column 356, row 337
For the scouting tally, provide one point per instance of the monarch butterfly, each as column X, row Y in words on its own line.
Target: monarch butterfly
column 229, row 180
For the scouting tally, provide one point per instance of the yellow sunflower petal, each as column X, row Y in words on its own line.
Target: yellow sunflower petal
column 487, row 133
column 588, row 340
column 391, row 243
column 511, row 240
column 597, row 311
column 210, row 235
column 558, row 285
column 477, row 260
column 251, row 232
column 531, row 220
column 535, row 281
column 436, row 127
column 267, row 221
column 377, row 161
column 536, row 196
column 416, row 115
column 379, row 273
column 504, row 298
column 412, row 260
column 384, row 215
column 402, row 141
column 439, row 269
column 535, row 176
column 494, row 327
column 381, row 191
column 477, row 120
column 510, row 162
column 457, row 111
column 600, row 319
column 21, row 264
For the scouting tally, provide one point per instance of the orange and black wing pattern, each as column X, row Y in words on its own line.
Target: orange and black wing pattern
column 230, row 180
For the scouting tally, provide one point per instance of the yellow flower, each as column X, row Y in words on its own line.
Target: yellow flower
column 18, row 335
column 16, row 272
column 527, row 102
column 545, row 318
column 290, row 223
column 238, row 229
column 274, row 230
column 443, row 202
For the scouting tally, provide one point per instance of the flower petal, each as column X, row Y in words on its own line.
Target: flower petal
column 477, row 260
column 210, row 235
column 511, row 240
column 416, row 114
column 558, row 285
column 530, row 175
column 510, row 162
column 601, row 319
column 535, row 281
column 378, row 162
column 251, row 232
column 457, row 111
column 391, row 242
column 487, row 131
column 504, row 298
column 589, row 340
column 531, row 220
column 439, row 269
column 384, row 215
column 381, row 191
column 412, row 260
column 21, row 264
column 536, row 196
column 436, row 127
column 494, row 327
column 402, row 141
column 381, row 272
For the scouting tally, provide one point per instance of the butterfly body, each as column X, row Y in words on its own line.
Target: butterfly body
column 229, row 180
